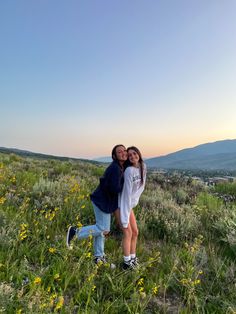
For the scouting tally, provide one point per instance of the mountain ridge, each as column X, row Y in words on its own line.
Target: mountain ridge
column 219, row 155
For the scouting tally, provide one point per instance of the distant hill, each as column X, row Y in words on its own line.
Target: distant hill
column 220, row 155
column 106, row 159
column 25, row 153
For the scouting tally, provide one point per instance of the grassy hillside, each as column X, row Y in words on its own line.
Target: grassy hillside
column 25, row 153
column 186, row 245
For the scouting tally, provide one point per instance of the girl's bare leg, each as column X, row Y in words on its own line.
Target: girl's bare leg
column 134, row 231
column 127, row 234
column 126, row 243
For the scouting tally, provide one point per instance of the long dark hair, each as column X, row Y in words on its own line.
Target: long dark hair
column 140, row 161
column 113, row 152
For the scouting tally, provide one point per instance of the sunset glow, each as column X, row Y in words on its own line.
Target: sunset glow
column 79, row 77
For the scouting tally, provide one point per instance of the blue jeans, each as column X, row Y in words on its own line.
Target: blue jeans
column 103, row 223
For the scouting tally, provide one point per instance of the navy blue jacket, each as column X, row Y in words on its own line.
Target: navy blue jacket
column 105, row 196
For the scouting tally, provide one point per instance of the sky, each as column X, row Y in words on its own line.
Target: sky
column 80, row 76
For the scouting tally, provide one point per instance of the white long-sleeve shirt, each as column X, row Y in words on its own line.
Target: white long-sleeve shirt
column 132, row 190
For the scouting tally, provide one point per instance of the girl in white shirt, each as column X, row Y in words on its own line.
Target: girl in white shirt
column 134, row 183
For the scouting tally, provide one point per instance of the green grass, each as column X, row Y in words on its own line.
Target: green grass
column 186, row 245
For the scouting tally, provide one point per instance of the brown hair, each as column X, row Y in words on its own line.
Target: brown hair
column 113, row 152
column 140, row 160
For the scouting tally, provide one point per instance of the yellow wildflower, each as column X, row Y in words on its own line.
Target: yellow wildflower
column 91, row 277
column 197, row 281
column 37, row 280
column 140, row 282
column 93, row 288
column 50, row 215
column 13, row 179
column 42, row 306
column 23, row 231
column 36, row 222
column 57, row 276
column 184, row 281
column 75, row 188
column 60, row 303
column 79, row 225
column 2, row 200
column 23, row 226
column 52, row 250
column 88, row 254
column 155, row 290
column 23, row 235
column 52, row 298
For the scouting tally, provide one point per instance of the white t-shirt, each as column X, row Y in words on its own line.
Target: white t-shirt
column 132, row 190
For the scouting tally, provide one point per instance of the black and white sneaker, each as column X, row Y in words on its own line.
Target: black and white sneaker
column 135, row 262
column 101, row 260
column 70, row 235
column 128, row 265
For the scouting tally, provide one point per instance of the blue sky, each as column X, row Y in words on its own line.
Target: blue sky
column 78, row 77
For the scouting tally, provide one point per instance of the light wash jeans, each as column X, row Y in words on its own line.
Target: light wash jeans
column 103, row 223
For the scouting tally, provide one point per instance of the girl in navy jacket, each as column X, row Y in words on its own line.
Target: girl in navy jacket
column 105, row 202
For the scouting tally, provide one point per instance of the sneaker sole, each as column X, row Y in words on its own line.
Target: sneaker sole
column 112, row 266
column 67, row 239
